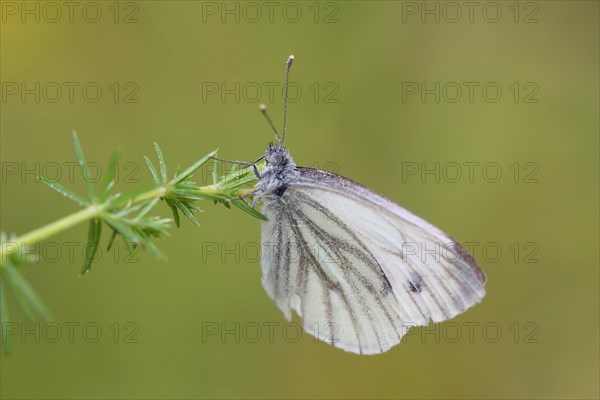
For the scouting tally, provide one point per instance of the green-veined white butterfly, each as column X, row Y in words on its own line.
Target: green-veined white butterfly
column 339, row 257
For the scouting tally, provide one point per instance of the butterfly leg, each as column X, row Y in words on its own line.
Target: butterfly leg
column 253, row 164
column 243, row 198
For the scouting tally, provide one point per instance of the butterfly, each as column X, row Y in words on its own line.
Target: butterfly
column 358, row 269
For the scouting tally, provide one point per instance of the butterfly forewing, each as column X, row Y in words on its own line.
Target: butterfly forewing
column 359, row 269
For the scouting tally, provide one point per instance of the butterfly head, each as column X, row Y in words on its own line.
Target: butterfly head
column 277, row 154
column 280, row 171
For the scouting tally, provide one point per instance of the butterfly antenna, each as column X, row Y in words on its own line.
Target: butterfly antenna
column 285, row 99
column 263, row 110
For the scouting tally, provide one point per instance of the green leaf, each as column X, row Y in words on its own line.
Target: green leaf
column 21, row 300
column 152, row 171
column 84, row 167
column 150, row 226
column 65, row 192
column 110, row 173
column 129, row 235
column 195, row 194
column 185, row 209
column 128, row 197
column 215, row 172
column 138, row 235
column 239, row 178
column 246, row 208
column 4, row 319
column 151, row 248
column 21, row 285
column 113, row 236
column 148, row 207
column 93, row 243
column 171, row 205
column 161, row 163
column 185, row 174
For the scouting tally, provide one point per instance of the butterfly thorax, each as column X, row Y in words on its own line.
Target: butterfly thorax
column 280, row 172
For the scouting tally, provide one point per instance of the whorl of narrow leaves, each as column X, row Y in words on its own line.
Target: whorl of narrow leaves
column 125, row 214
column 11, row 281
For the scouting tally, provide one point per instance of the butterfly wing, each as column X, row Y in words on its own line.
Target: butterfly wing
column 359, row 269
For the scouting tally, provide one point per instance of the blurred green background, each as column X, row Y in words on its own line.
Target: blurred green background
column 536, row 333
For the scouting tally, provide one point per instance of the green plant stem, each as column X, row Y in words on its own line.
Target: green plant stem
column 160, row 191
column 84, row 215
column 55, row 227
